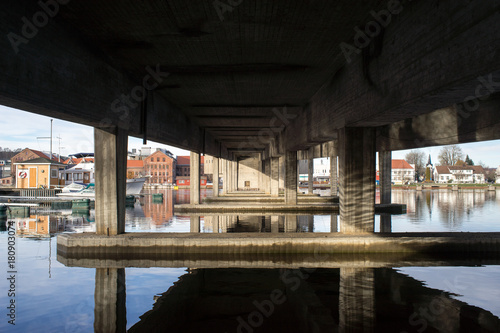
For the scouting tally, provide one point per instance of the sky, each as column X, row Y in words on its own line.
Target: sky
column 19, row 129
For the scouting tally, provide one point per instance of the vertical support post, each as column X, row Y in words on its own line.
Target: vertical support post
column 281, row 166
column 275, row 171
column 333, row 223
column 194, row 224
column 266, row 176
column 357, row 179
column 290, row 223
column 385, row 223
column 291, row 178
column 109, row 297
column 215, row 224
column 333, row 175
column 110, row 181
column 275, row 228
column 225, row 174
column 194, row 176
column 310, row 175
column 385, row 176
column 215, row 176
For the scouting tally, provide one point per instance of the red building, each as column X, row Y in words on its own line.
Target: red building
column 183, row 167
column 161, row 167
column 184, row 182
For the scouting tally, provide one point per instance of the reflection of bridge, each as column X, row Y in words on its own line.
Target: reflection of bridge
column 296, row 300
column 258, row 94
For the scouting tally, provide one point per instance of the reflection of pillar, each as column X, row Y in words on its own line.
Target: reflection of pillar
column 385, row 223
column 385, row 175
column 194, row 177
column 290, row 223
column 109, row 297
column 110, row 178
column 356, row 300
column 310, row 175
column 357, row 179
column 275, row 171
column 291, row 178
column 215, row 176
column 194, row 224
column 215, row 224
column 275, row 228
column 333, row 223
column 333, row 175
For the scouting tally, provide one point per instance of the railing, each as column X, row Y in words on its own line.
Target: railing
column 39, row 193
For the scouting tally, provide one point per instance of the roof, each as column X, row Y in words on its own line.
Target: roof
column 135, row 163
column 73, row 160
column 40, row 160
column 401, row 164
column 442, row 169
column 445, row 169
column 184, row 160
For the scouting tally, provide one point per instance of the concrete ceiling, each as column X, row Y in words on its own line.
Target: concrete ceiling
column 227, row 74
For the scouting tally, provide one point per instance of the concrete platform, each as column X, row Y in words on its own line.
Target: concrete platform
column 90, row 245
column 269, row 199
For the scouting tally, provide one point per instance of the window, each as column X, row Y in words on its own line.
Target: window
column 53, row 173
column 152, row 159
column 157, row 159
column 164, row 159
column 167, row 167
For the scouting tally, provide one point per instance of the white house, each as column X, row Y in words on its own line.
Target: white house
column 402, row 172
column 82, row 172
column 459, row 174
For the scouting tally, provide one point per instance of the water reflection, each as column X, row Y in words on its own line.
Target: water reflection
column 346, row 299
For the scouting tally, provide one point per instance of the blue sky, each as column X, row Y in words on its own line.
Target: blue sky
column 20, row 129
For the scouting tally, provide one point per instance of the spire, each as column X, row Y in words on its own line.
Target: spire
column 429, row 161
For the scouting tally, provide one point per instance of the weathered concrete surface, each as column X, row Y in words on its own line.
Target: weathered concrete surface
column 110, row 181
column 215, row 166
column 291, row 181
column 194, row 177
column 275, row 176
column 287, row 243
column 385, row 176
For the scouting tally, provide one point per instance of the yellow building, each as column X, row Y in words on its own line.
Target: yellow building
column 38, row 173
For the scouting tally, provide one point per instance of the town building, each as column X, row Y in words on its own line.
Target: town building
column 83, row 172
column 459, row 174
column 185, row 181
column 135, row 169
column 161, row 167
column 183, row 167
column 402, row 172
column 25, row 155
column 38, row 172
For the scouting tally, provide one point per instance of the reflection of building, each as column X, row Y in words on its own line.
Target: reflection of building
column 38, row 172
column 459, row 174
column 160, row 212
column 37, row 225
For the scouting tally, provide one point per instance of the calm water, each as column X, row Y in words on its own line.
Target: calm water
column 410, row 296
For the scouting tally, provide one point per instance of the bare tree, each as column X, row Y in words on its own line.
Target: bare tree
column 418, row 158
column 449, row 155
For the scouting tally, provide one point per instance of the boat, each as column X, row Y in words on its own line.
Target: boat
column 134, row 187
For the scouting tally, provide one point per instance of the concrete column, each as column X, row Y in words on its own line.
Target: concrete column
column 110, row 181
column 109, row 297
column 274, row 169
column 194, row 177
column 281, row 172
column 357, row 179
column 275, row 228
column 224, row 176
column 385, row 176
column 215, row 224
column 333, row 223
column 356, row 300
column 291, row 223
column 194, row 225
column 310, row 176
column 234, row 177
column 385, row 223
column 310, row 223
column 266, row 176
column 333, row 175
column 291, row 178
column 216, row 176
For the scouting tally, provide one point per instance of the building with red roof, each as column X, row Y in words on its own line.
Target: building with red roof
column 402, row 172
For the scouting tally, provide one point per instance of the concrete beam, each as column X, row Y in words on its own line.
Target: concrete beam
column 110, row 181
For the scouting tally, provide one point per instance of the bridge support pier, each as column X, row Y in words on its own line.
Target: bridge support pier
column 310, row 175
column 333, row 175
column 356, row 300
column 109, row 297
column 291, row 178
column 385, row 176
column 110, row 180
column 194, row 177
column 357, row 179
column 275, row 176
column 266, row 176
column 215, row 176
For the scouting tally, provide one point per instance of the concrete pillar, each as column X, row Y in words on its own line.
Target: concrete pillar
column 215, row 224
column 290, row 223
column 333, row 175
column 266, row 176
column 110, row 181
column 310, row 174
column 194, row 225
column 281, row 172
column 385, row 176
column 109, row 297
column 215, row 176
column 194, row 177
column 275, row 228
column 274, row 163
column 357, row 179
column 356, row 300
column 224, row 176
column 333, row 223
column 234, row 176
column 310, row 223
column 291, row 178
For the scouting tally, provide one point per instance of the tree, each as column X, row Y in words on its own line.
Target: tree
column 460, row 163
column 449, row 155
column 416, row 157
column 468, row 161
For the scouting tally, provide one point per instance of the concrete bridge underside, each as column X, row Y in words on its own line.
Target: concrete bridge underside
column 279, row 80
